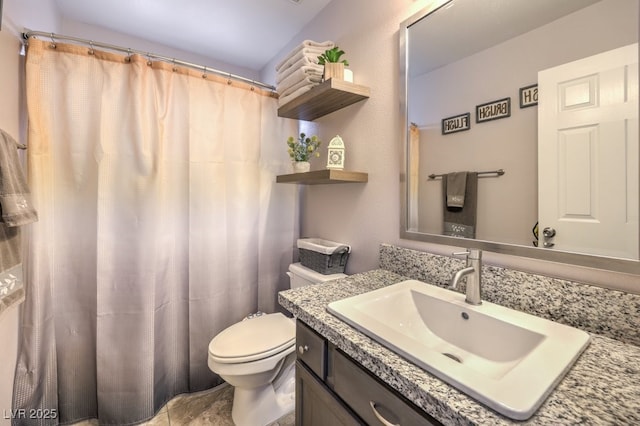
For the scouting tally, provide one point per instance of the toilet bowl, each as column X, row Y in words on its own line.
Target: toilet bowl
column 249, row 355
column 257, row 355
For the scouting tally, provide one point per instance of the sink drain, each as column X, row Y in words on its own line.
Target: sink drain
column 452, row 356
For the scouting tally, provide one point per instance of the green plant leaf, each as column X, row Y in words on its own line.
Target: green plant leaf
column 332, row 55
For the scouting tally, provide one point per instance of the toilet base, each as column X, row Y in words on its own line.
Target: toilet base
column 264, row 404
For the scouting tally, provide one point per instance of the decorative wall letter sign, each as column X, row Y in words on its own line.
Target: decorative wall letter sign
column 529, row 96
column 493, row 110
column 457, row 123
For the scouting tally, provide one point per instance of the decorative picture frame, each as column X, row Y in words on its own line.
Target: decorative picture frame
column 456, row 123
column 529, row 96
column 493, row 110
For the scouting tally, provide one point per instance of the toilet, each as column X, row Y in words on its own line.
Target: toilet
column 256, row 356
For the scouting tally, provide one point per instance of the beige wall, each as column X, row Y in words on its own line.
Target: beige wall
column 32, row 15
column 365, row 215
column 9, row 121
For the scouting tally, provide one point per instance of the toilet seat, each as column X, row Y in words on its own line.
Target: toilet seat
column 254, row 339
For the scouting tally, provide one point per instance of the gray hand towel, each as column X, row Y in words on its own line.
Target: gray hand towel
column 15, row 199
column 10, row 246
column 461, row 221
column 456, row 187
column 11, row 287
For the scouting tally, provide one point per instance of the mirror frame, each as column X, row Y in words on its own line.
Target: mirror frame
column 578, row 259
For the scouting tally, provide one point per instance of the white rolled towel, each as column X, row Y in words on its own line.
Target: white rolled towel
column 295, row 77
column 307, row 81
column 310, row 53
column 307, row 48
column 286, row 99
column 324, row 44
column 311, row 67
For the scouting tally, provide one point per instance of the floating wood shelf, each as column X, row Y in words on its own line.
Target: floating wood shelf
column 317, row 177
column 323, row 99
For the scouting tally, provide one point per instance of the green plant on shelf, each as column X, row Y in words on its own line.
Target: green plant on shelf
column 303, row 148
column 332, row 56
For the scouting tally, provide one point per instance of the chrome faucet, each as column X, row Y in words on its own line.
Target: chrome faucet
column 473, row 272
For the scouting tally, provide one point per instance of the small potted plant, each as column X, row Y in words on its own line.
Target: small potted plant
column 333, row 66
column 301, row 150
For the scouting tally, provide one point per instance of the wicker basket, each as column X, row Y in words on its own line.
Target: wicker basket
column 325, row 257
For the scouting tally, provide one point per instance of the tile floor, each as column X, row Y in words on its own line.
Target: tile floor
column 206, row 408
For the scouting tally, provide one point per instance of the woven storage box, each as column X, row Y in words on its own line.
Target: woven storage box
column 326, row 257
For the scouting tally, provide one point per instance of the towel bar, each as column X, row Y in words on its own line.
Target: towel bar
column 498, row 172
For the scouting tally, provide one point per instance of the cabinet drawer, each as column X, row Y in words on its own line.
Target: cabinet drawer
column 370, row 399
column 312, row 349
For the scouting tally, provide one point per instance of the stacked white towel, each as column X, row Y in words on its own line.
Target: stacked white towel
column 299, row 71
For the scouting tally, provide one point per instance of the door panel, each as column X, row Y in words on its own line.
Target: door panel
column 588, row 154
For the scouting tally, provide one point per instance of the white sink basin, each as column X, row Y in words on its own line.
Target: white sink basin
column 506, row 359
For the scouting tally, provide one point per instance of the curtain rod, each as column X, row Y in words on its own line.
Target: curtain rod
column 149, row 55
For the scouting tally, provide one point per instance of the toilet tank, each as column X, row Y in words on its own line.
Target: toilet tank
column 301, row 276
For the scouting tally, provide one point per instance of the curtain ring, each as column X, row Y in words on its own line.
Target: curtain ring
column 149, row 63
column 53, row 42
column 91, row 51
column 253, row 85
column 205, row 73
column 229, row 80
column 175, row 68
column 128, row 57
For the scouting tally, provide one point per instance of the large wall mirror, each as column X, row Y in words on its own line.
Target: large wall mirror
column 529, row 111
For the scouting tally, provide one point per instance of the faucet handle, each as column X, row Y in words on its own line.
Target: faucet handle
column 463, row 254
column 469, row 254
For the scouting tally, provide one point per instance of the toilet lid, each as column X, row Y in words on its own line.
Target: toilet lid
column 253, row 339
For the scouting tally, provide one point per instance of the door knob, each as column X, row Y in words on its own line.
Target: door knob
column 302, row 349
column 549, row 232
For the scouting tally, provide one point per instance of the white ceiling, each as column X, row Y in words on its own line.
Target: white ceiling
column 463, row 27
column 245, row 33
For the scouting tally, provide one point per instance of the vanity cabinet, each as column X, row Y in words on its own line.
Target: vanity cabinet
column 333, row 389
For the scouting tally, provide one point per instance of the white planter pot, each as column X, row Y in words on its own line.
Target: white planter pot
column 301, row 166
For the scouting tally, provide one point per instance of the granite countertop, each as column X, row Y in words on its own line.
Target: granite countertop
column 603, row 387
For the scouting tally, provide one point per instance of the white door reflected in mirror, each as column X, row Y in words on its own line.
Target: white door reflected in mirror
column 587, row 154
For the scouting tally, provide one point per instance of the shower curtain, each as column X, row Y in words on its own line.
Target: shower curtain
column 160, row 225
